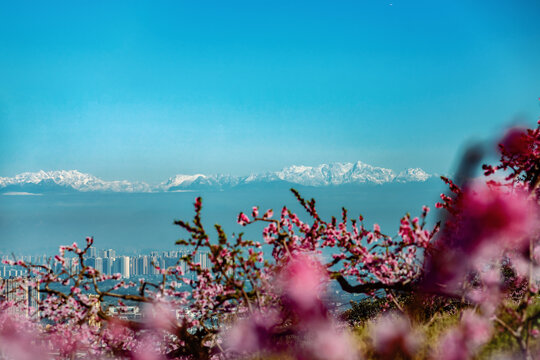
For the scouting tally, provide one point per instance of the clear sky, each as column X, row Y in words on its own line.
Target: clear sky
column 144, row 90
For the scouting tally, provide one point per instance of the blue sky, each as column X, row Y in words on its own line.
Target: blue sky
column 145, row 90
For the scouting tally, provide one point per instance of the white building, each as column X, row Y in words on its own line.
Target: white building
column 99, row 264
column 124, row 266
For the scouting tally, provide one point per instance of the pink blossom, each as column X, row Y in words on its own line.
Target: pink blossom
column 255, row 212
column 160, row 316
column 503, row 216
column 301, row 280
column 252, row 335
column 18, row 338
column 198, row 203
column 243, row 219
column 515, row 141
column 488, row 294
column 268, row 214
column 464, row 341
column 393, row 336
column 148, row 348
column 488, row 222
column 326, row 342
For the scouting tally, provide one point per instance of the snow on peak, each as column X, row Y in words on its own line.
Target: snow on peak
column 412, row 174
column 345, row 173
column 338, row 174
column 72, row 179
column 320, row 175
column 182, row 179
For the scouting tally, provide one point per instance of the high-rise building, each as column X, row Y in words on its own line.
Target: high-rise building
column 115, row 265
column 91, row 262
column 24, row 296
column 92, row 252
column 203, row 260
column 143, row 265
column 124, row 266
column 107, row 265
column 98, row 264
column 133, row 266
column 74, row 265
column 154, row 261
column 182, row 265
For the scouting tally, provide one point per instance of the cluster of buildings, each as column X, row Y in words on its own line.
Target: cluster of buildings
column 16, row 284
column 109, row 262
column 22, row 296
column 8, row 271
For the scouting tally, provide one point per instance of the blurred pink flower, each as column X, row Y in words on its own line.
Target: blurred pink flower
column 19, row 338
column 489, row 222
column 515, row 141
column 465, row 340
column 302, row 316
column 393, row 336
column 252, row 335
column 326, row 342
column 302, row 280
column 504, row 216
column 147, row 349
column 489, row 293
column 160, row 316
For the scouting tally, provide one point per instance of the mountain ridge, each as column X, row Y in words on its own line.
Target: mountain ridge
column 332, row 174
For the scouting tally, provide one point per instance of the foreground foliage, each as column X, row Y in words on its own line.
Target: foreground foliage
column 467, row 287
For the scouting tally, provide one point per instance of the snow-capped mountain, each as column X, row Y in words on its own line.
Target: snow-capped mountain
column 198, row 181
column 412, row 174
column 336, row 174
column 321, row 175
column 67, row 180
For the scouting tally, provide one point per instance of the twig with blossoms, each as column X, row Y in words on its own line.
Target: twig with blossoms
column 375, row 260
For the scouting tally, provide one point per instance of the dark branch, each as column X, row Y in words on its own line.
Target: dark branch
column 367, row 287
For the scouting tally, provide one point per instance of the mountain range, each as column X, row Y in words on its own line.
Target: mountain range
column 333, row 174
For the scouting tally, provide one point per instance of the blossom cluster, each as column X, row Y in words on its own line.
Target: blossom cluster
column 483, row 254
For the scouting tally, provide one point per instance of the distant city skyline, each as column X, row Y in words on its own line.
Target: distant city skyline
column 111, row 261
column 143, row 91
